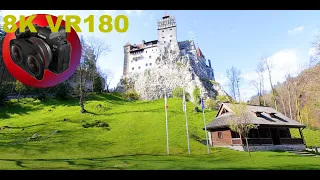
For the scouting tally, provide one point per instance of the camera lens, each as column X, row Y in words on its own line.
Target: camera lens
column 16, row 53
column 33, row 65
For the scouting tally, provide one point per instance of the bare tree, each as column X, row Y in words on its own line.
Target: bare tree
column 99, row 48
column 234, row 82
column 269, row 66
column 241, row 122
column 258, row 83
column 108, row 76
column 81, row 73
column 288, row 88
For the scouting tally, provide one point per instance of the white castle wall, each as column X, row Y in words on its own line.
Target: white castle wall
column 141, row 60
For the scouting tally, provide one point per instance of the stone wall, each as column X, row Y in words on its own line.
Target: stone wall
column 172, row 70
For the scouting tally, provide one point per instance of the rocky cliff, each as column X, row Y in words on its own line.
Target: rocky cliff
column 172, row 70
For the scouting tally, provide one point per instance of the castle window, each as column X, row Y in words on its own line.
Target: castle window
column 170, row 29
column 147, row 64
column 162, row 30
column 139, row 67
column 149, row 57
column 164, row 41
column 162, row 37
column 170, row 40
column 146, row 51
column 150, row 64
column 170, row 35
column 132, row 68
column 192, row 76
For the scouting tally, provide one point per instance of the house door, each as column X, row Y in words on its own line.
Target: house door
column 275, row 136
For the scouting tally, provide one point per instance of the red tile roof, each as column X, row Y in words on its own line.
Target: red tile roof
column 199, row 53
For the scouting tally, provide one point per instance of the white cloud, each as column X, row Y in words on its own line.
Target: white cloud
column 222, row 80
column 312, row 52
column 296, row 30
column 282, row 62
column 211, row 33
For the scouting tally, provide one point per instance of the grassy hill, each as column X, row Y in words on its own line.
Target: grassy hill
column 116, row 134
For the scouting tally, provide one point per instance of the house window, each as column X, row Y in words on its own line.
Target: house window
column 220, row 135
column 235, row 134
column 147, row 64
column 258, row 114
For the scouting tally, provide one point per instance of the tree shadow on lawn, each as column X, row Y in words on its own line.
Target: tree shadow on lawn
column 125, row 161
column 15, row 108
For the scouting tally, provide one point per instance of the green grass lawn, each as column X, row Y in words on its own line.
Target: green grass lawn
column 135, row 138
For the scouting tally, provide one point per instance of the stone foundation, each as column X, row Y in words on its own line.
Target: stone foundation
column 284, row 147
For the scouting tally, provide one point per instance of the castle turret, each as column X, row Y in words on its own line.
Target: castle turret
column 126, row 58
column 209, row 62
column 167, row 30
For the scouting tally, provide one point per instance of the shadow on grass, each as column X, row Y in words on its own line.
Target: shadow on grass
column 15, row 108
column 125, row 162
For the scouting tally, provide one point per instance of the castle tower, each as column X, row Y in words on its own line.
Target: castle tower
column 126, row 49
column 167, row 31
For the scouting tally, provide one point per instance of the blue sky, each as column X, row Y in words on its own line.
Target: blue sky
column 227, row 38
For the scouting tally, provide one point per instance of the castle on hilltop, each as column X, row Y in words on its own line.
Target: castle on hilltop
column 139, row 57
column 154, row 67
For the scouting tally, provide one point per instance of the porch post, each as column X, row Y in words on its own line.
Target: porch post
column 259, row 136
column 301, row 135
column 279, row 135
column 270, row 135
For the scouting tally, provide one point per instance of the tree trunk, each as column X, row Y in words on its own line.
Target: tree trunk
column 81, row 94
column 289, row 97
column 19, row 96
column 260, row 101
column 247, row 145
column 297, row 108
column 92, row 84
column 283, row 106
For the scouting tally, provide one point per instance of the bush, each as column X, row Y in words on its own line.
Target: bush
column 131, row 95
column 178, row 92
column 3, row 95
column 211, row 104
column 98, row 85
column 196, row 95
column 63, row 91
column 223, row 98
